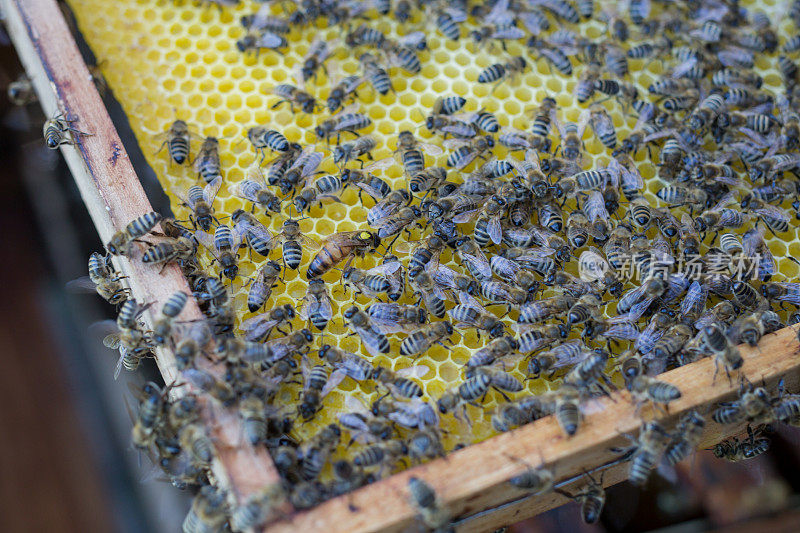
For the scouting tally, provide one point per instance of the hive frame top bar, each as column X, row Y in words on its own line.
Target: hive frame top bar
column 114, row 196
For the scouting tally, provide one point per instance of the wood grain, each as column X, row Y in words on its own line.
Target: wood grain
column 474, row 481
column 114, row 196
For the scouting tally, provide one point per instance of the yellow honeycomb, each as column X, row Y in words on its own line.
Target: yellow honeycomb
column 168, row 59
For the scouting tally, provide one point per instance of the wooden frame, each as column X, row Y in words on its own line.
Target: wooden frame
column 114, row 196
column 471, row 482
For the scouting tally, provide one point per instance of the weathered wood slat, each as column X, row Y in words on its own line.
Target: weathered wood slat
column 114, row 196
column 474, row 481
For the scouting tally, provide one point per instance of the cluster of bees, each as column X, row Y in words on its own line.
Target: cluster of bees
column 540, row 246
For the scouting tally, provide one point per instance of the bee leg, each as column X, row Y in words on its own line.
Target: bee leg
column 503, row 394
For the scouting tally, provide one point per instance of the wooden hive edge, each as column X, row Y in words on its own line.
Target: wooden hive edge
column 113, row 197
column 473, row 482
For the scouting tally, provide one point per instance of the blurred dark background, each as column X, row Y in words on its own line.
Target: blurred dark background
column 66, row 463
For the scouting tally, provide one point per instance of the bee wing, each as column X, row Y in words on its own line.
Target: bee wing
column 206, row 239
column 624, row 330
column 792, row 290
column 595, row 207
column 481, row 264
column 308, row 242
column 532, row 22
column 695, row 298
column 452, row 144
column 414, row 39
column 354, row 405
column 464, row 217
column 495, row 230
column 257, row 230
column 504, row 268
column 373, row 192
column 467, row 300
column 270, row 40
column 386, row 269
column 199, row 378
column 336, row 377
column 413, row 371
column 123, row 352
column 210, row 191
column 256, row 327
column 772, row 211
column 751, row 241
column 312, row 163
column 83, row 284
column 381, row 164
column 430, row 149
column 583, row 120
column 680, row 70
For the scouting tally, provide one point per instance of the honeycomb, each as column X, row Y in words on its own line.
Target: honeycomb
column 176, row 59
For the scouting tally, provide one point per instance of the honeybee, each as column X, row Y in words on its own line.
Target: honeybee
column 352, row 365
column 429, row 292
column 121, row 242
column 209, row 510
column 394, row 318
column 470, row 314
column 686, row 438
column 724, row 352
column 459, row 396
column 324, row 188
column 292, row 241
column 258, row 237
column 224, row 246
column 410, row 153
column 341, row 246
column 754, row 405
column 603, row 126
column 178, row 141
column 318, row 51
column 420, row 340
column 369, row 282
column 427, row 505
column 317, row 383
column 571, row 136
column 257, row 509
column 304, row 166
column 344, row 121
column 458, row 128
column 733, row 450
column 364, row 427
column 182, row 250
column 343, row 90
column 266, row 139
column 466, row 151
column 292, row 95
column 592, row 499
column 151, row 401
column 201, row 202
column 20, row 92
column 375, row 341
column 498, row 72
column 259, row 327
column 648, row 449
column 163, row 324
column 207, row 164
column 399, row 382
column 346, row 152
column 102, row 279
column 316, row 305
column 473, row 258
column 266, row 39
